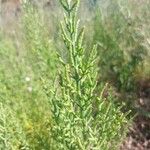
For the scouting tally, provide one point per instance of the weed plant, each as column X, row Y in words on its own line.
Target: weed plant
column 21, row 94
column 81, row 118
column 12, row 135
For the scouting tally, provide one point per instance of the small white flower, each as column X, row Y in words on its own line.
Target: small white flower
column 27, row 79
column 29, row 89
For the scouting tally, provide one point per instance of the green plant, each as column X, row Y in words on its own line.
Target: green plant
column 82, row 119
column 39, row 48
column 120, row 51
column 11, row 133
column 22, row 68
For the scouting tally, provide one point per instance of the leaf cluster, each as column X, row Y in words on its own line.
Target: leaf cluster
column 82, row 119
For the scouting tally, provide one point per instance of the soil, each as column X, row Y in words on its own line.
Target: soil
column 138, row 137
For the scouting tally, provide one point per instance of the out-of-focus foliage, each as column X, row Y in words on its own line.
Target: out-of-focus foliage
column 121, row 30
column 27, row 59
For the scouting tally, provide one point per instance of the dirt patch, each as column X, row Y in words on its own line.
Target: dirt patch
column 138, row 137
